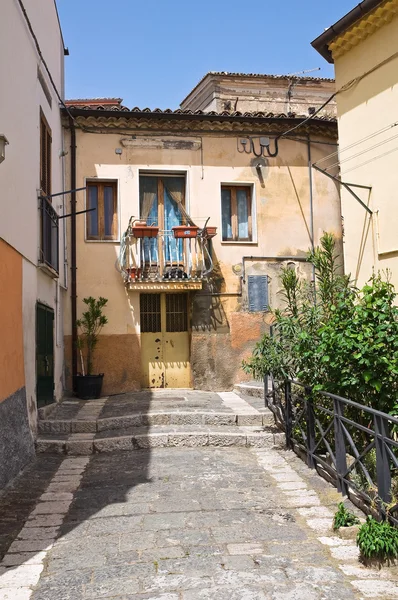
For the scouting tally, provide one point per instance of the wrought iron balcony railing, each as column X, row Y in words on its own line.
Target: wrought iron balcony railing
column 151, row 255
column 49, row 238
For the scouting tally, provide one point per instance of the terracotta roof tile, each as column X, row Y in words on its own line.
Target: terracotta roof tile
column 180, row 111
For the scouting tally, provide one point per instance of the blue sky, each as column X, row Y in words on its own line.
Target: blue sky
column 152, row 53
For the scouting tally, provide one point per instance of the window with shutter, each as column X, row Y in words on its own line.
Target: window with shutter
column 236, row 208
column 101, row 223
column 45, row 157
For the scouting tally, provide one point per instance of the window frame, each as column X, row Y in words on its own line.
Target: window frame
column 100, row 184
column 233, row 188
column 45, row 156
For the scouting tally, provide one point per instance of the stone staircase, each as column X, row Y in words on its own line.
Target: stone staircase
column 148, row 420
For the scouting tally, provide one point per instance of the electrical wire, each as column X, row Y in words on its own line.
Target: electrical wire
column 344, row 88
column 348, row 158
column 350, row 146
column 371, row 160
column 32, row 33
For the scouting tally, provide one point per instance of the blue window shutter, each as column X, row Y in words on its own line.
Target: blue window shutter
column 258, row 293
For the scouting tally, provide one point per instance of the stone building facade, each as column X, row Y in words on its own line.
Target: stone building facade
column 247, row 92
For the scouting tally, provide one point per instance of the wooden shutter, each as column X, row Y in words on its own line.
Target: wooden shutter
column 45, row 157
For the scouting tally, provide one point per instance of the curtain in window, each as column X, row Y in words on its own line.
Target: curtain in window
column 149, row 199
column 109, row 210
column 173, row 216
column 226, row 214
column 92, row 217
column 243, row 214
column 175, row 187
column 149, row 212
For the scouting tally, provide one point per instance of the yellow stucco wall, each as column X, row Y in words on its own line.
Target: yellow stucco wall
column 368, row 137
column 12, row 376
column 282, row 227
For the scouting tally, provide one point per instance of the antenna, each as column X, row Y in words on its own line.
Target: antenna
column 307, row 71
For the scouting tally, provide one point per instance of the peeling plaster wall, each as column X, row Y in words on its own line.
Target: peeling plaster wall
column 223, row 332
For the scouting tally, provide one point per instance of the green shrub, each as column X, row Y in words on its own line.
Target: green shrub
column 333, row 337
column 377, row 540
column 344, row 518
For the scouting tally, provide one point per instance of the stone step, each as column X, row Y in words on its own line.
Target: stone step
column 160, row 436
column 251, row 388
column 114, row 423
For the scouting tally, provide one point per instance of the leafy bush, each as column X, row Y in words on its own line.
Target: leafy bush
column 377, row 541
column 332, row 336
column 344, row 518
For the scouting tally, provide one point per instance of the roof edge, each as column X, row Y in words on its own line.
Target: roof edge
column 211, row 117
column 321, row 43
column 210, row 74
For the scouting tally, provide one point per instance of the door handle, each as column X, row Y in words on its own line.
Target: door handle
column 46, row 365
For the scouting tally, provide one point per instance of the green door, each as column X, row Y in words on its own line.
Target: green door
column 44, row 355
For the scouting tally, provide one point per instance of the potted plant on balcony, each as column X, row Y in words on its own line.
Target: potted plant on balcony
column 87, row 385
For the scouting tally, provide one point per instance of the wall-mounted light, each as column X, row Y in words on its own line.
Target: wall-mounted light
column 3, row 144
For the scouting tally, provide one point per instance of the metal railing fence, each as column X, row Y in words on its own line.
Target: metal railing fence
column 355, row 446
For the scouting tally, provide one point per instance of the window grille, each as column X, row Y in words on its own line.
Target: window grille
column 49, row 235
column 176, row 312
column 150, row 313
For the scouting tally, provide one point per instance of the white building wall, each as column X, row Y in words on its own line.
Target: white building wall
column 22, row 98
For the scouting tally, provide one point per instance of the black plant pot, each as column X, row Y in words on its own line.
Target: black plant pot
column 88, row 387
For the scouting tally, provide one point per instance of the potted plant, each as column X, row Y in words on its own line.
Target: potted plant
column 87, row 385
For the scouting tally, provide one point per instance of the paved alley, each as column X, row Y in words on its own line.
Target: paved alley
column 180, row 524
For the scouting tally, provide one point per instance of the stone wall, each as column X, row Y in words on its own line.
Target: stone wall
column 16, row 442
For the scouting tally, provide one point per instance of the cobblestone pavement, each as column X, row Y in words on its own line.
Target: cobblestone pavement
column 182, row 524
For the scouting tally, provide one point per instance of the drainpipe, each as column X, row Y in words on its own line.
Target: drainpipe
column 73, row 267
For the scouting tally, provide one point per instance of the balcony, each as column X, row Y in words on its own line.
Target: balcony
column 152, row 259
column 48, row 259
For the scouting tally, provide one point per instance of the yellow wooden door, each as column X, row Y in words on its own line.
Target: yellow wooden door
column 165, row 341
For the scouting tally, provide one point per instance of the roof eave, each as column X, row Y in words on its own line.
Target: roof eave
column 81, row 112
column 321, row 43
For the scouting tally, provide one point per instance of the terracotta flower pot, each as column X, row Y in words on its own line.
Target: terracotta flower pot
column 210, row 232
column 185, row 231
column 141, row 231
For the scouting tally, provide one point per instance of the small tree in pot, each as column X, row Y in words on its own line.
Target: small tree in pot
column 87, row 385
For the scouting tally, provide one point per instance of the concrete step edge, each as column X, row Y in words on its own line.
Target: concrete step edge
column 58, row 426
column 154, row 440
column 249, row 390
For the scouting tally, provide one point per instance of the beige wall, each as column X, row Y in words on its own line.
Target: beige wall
column 367, row 122
column 282, row 223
